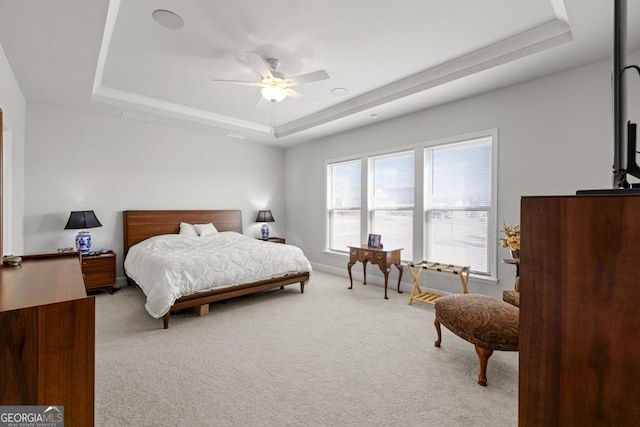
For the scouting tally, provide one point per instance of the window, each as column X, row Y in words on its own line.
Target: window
column 454, row 181
column 391, row 212
column 344, row 200
column 458, row 204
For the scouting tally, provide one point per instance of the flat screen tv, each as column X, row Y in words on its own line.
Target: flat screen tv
column 624, row 129
column 624, row 133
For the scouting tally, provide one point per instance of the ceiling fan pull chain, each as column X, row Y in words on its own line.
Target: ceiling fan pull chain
column 273, row 115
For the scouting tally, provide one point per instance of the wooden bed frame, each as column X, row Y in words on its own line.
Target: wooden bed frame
column 140, row 225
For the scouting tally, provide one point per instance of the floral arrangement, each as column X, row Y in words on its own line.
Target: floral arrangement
column 511, row 237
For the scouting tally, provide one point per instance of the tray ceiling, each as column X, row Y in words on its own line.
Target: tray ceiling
column 391, row 57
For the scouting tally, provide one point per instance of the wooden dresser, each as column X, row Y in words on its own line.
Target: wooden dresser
column 579, row 322
column 47, row 333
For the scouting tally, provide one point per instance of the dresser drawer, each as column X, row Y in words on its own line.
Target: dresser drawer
column 365, row 254
column 376, row 257
column 94, row 278
column 97, row 262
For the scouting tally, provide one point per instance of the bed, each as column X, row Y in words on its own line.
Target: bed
column 148, row 226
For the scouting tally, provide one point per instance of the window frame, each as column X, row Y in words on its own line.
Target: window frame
column 420, row 199
column 329, row 209
column 371, row 188
column 492, row 137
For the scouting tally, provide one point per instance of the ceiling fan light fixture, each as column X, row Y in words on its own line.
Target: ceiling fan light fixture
column 274, row 93
column 275, row 86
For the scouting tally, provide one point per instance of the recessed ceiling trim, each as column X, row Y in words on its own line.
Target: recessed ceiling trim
column 109, row 25
column 169, row 109
column 135, row 116
column 107, row 95
column 560, row 10
column 526, row 43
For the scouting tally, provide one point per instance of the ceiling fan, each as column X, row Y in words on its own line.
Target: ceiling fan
column 273, row 85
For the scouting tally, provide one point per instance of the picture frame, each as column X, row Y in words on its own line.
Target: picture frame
column 374, row 241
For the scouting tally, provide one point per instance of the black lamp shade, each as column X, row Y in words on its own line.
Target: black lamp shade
column 265, row 216
column 82, row 219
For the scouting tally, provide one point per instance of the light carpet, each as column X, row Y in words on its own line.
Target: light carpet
column 328, row 357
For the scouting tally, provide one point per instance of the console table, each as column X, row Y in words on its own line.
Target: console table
column 383, row 258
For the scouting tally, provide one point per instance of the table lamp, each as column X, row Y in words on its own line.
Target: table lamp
column 81, row 220
column 265, row 216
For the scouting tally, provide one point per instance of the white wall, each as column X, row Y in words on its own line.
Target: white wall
column 13, row 106
column 78, row 160
column 555, row 137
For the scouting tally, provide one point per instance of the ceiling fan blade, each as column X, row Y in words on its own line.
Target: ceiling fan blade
column 298, row 95
column 259, row 64
column 309, row 77
column 238, row 82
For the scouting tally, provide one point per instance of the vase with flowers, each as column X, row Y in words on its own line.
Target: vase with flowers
column 511, row 239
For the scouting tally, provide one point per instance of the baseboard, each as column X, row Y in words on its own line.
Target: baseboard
column 121, row 282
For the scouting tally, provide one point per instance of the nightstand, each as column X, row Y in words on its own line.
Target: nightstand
column 274, row 240
column 99, row 271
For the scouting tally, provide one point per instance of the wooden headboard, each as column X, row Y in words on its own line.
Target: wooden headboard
column 140, row 225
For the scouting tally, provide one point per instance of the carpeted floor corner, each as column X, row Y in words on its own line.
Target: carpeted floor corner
column 328, row 357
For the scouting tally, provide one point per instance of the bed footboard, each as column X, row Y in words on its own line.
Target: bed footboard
column 202, row 299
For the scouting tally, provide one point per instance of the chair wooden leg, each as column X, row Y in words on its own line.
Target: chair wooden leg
column 439, row 331
column 483, row 355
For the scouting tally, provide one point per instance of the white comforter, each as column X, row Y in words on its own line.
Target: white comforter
column 170, row 266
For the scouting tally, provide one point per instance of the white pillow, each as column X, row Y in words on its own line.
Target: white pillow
column 205, row 229
column 188, row 229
